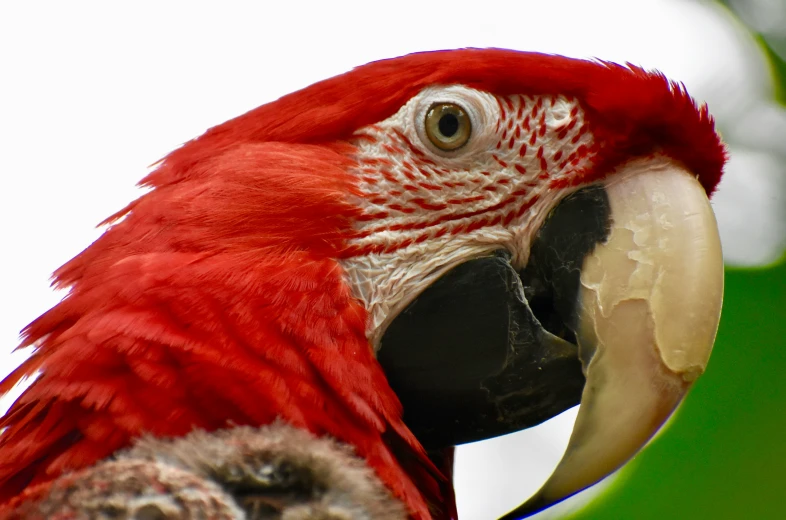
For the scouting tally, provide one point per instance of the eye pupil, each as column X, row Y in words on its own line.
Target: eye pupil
column 448, row 125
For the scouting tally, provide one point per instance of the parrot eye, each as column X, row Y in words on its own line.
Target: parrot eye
column 447, row 126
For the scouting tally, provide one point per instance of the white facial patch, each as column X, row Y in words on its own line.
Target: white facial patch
column 426, row 210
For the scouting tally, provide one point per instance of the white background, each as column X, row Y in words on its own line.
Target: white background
column 91, row 93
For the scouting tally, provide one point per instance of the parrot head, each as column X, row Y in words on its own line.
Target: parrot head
column 424, row 251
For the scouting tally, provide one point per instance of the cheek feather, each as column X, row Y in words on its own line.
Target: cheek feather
column 410, row 196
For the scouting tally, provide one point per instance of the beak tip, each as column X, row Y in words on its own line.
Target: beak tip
column 534, row 505
column 537, row 503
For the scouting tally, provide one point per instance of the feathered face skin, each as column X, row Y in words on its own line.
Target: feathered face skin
column 259, row 276
column 426, row 210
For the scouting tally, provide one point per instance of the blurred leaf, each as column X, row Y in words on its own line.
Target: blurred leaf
column 778, row 70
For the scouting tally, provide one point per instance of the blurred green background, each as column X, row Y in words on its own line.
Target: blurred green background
column 724, row 454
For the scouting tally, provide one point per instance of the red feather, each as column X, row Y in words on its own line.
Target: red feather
column 633, row 109
column 215, row 301
column 216, row 298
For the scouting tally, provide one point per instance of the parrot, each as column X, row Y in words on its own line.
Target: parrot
column 424, row 251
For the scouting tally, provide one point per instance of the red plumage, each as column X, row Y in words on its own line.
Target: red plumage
column 635, row 108
column 217, row 297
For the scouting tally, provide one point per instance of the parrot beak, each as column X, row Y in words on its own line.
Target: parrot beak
column 647, row 312
column 616, row 308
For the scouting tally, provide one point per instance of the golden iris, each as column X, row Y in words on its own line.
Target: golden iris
column 448, row 126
